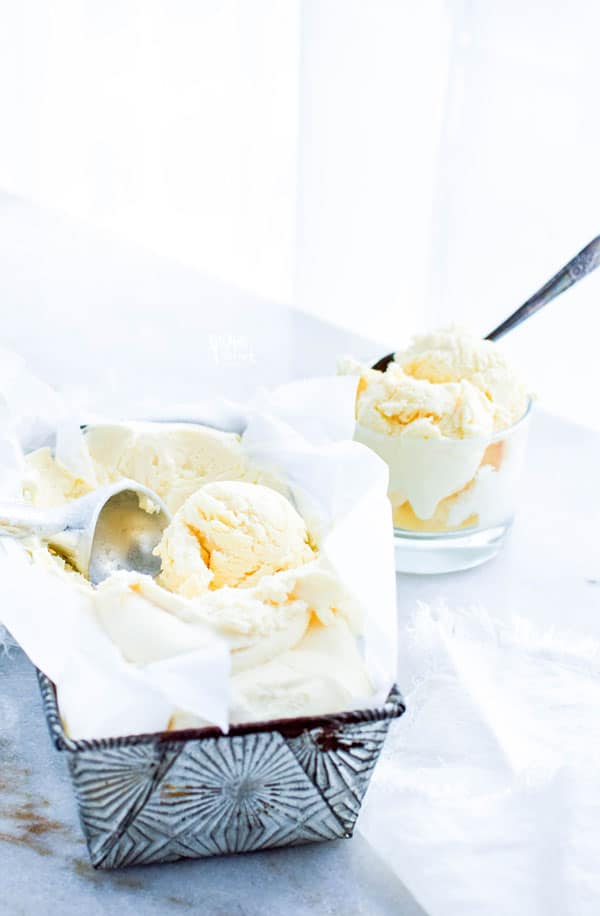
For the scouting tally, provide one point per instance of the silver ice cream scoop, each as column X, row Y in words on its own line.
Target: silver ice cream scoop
column 100, row 533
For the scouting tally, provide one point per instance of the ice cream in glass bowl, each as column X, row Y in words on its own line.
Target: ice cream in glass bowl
column 450, row 417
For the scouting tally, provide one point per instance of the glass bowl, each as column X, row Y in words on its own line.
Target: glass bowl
column 463, row 495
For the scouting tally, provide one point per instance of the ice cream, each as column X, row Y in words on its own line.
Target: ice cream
column 266, row 623
column 237, row 562
column 323, row 671
column 439, row 417
column 259, row 622
column 173, row 459
column 231, row 533
column 48, row 483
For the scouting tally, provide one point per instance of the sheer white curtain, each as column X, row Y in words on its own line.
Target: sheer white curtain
column 373, row 88
column 172, row 123
column 517, row 187
column 386, row 165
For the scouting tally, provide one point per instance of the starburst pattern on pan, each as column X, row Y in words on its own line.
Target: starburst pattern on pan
column 340, row 760
column 161, row 797
column 230, row 795
column 112, row 787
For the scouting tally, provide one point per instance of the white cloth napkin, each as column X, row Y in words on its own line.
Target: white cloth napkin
column 487, row 799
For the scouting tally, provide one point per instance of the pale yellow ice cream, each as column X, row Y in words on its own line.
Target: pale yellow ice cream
column 268, row 626
column 173, row 459
column 324, row 671
column 231, row 533
column 237, row 561
column 48, row 483
column 448, row 383
column 434, row 416
column 258, row 622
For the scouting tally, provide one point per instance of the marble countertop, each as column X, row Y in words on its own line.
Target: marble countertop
column 69, row 292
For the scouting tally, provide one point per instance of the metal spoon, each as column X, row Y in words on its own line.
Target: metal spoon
column 580, row 266
column 102, row 532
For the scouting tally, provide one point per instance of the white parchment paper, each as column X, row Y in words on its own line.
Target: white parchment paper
column 303, row 430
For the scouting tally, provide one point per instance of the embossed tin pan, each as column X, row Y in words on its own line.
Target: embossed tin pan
column 196, row 793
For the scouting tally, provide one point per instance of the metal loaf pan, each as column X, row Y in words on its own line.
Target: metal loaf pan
column 196, row 793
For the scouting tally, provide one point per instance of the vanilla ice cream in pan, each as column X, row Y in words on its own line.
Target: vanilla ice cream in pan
column 261, row 713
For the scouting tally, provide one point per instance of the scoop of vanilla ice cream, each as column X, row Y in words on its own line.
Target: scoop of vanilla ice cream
column 433, row 412
column 148, row 623
column 448, row 383
column 144, row 630
column 173, row 459
column 231, row 533
column 393, row 402
column 456, row 356
column 259, row 623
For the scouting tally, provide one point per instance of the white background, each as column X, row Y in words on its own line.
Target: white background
column 385, row 165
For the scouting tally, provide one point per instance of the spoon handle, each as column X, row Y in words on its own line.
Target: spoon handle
column 580, row 266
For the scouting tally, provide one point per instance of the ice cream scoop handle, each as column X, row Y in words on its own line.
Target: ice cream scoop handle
column 17, row 520
column 580, row 266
